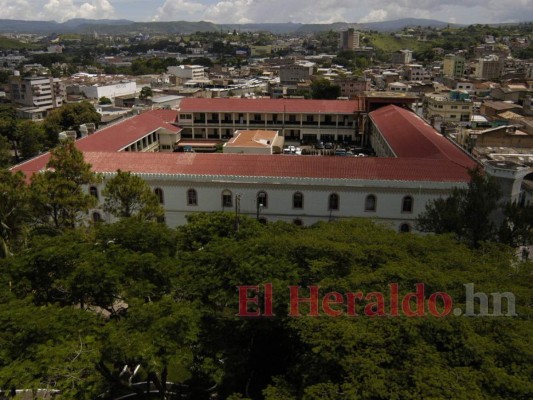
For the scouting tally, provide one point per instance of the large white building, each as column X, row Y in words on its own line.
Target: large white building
column 187, row 71
column 110, row 91
column 416, row 165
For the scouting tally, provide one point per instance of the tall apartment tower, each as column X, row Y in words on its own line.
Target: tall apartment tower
column 453, row 66
column 489, row 67
column 349, row 39
column 44, row 93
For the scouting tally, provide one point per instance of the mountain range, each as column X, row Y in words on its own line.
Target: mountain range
column 122, row 26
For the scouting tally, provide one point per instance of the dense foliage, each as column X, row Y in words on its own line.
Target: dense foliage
column 86, row 306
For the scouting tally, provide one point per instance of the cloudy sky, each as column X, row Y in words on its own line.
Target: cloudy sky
column 244, row 11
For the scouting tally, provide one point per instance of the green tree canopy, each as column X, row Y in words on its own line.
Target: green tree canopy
column 146, row 92
column 69, row 117
column 467, row 212
column 323, row 89
column 57, row 195
column 127, row 195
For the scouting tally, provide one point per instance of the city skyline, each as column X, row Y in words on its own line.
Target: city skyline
column 261, row 11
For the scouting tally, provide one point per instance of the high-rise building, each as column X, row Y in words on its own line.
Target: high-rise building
column 489, row 67
column 43, row 93
column 453, row 66
column 349, row 39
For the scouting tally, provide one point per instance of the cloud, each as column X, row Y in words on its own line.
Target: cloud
column 243, row 11
column 62, row 10
column 58, row 10
column 325, row 11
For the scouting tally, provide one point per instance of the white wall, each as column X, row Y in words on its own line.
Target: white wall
column 316, row 193
column 110, row 91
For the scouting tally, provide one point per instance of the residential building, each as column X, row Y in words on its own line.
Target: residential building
column 37, row 95
column 491, row 109
column 349, row 39
column 187, row 71
column 453, row 66
column 489, row 67
column 294, row 73
column 402, row 57
column 455, row 106
column 353, row 87
column 417, row 72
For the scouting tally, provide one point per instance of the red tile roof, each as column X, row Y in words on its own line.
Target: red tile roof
column 364, row 168
column 271, row 105
column 120, row 135
column 410, row 136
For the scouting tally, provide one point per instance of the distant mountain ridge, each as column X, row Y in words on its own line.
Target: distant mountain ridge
column 123, row 26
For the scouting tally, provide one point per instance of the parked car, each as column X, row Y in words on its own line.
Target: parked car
column 298, row 151
column 293, row 149
column 340, row 152
column 328, row 145
column 319, row 145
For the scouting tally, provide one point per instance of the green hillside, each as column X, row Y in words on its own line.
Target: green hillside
column 389, row 43
column 10, row 44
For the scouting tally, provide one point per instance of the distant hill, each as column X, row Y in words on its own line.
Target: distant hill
column 399, row 24
column 123, row 26
column 174, row 27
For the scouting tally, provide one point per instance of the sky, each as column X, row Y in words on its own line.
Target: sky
column 259, row 11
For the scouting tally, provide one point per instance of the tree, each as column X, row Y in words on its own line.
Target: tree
column 517, row 226
column 467, row 212
column 30, row 138
column 57, row 194
column 146, row 92
column 5, row 152
column 323, row 89
column 127, row 195
column 69, row 117
column 104, row 100
column 13, row 211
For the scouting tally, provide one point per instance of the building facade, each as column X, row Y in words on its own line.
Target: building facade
column 415, row 165
column 296, row 119
column 41, row 93
column 109, row 90
column 187, row 71
column 446, row 107
column 453, row 66
column 349, row 39
column 489, row 67
column 294, row 73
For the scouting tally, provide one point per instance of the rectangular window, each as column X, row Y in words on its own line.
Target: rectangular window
column 227, row 200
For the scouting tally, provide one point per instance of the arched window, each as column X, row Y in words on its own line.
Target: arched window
column 262, row 199
column 370, row 203
column 97, row 217
column 93, row 191
column 159, row 193
column 192, row 197
column 298, row 222
column 227, row 198
column 333, row 203
column 405, row 228
column 298, row 200
column 407, row 204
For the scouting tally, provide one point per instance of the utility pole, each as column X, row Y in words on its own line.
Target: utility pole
column 237, row 211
